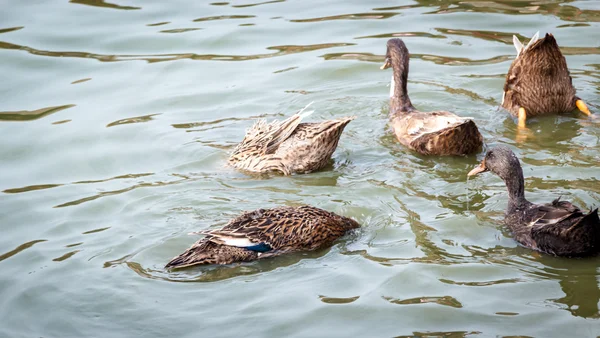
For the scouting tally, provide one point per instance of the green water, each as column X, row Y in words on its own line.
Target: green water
column 117, row 117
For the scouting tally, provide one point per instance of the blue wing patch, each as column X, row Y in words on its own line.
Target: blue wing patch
column 261, row 247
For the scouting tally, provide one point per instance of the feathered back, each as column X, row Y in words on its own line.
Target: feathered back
column 265, row 233
column 538, row 79
column 288, row 146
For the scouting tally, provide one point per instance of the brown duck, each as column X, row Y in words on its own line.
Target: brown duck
column 559, row 228
column 266, row 233
column 288, row 146
column 428, row 133
column 538, row 81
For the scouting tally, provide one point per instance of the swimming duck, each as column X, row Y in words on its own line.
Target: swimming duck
column 428, row 133
column 538, row 81
column 559, row 228
column 288, row 146
column 266, row 233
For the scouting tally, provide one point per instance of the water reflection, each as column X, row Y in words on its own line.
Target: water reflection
column 440, row 334
column 544, row 130
column 181, row 178
column 179, row 30
column 336, row 300
column 224, row 17
column 20, row 248
column 6, row 30
column 356, row 16
column 438, row 59
column 401, row 35
column 579, row 282
column 213, row 273
column 29, row 115
column 48, row 186
column 258, row 4
column 136, row 119
column 558, row 9
column 65, row 256
column 445, row 300
column 102, row 3
column 280, row 51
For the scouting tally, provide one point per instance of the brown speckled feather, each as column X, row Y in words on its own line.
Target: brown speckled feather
column 288, row 146
column 279, row 230
column 428, row 133
column 539, row 81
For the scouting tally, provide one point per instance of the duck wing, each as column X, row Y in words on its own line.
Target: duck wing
column 283, row 229
column 561, row 228
column 264, row 138
column 437, row 133
column 416, row 124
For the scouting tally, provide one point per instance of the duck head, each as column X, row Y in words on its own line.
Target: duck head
column 504, row 163
column 500, row 160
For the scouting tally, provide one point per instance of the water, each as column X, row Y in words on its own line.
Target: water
column 117, row 118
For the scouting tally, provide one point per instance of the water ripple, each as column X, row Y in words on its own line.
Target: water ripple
column 30, row 115
column 224, row 17
column 137, row 119
column 258, row 4
column 102, row 3
column 356, row 16
column 445, row 300
column 441, row 60
column 281, row 50
column 48, row 186
column 401, row 35
column 11, row 29
column 20, row 248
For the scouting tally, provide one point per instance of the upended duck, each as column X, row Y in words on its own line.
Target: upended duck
column 266, row 233
column 538, row 81
column 559, row 228
column 288, row 146
column 428, row 133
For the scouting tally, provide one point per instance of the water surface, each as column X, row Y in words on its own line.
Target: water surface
column 117, row 118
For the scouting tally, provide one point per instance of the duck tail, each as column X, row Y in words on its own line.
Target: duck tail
column 587, row 231
column 282, row 130
column 461, row 139
column 207, row 252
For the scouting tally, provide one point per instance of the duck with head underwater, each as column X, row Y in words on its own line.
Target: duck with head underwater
column 266, row 233
column 559, row 228
column 428, row 133
column 538, row 81
column 289, row 146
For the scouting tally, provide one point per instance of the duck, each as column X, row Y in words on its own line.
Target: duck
column 558, row 228
column 266, row 233
column 428, row 133
column 289, row 146
column 538, row 81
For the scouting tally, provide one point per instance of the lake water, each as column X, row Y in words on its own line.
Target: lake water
column 117, row 117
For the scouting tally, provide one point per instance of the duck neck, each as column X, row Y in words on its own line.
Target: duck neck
column 399, row 100
column 515, row 184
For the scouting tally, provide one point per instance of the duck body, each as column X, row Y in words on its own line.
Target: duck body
column 559, row 228
column 538, row 81
column 436, row 133
column 288, row 146
column 428, row 133
column 266, row 233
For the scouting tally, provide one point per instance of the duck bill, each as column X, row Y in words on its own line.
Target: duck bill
column 387, row 64
column 481, row 168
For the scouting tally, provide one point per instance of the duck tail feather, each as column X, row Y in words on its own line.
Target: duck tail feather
column 518, row 45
